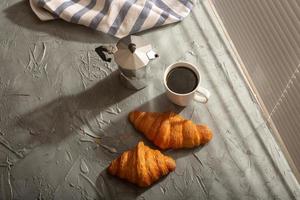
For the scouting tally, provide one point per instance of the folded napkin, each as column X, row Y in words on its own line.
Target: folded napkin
column 115, row 17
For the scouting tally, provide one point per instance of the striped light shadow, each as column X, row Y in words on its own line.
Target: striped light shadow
column 231, row 119
column 217, row 91
column 240, row 103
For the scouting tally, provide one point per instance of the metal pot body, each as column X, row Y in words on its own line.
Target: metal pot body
column 134, row 79
column 133, row 71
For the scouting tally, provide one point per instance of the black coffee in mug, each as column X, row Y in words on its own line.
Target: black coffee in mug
column 182, row 80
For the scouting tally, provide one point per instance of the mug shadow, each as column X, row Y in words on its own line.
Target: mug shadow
column 22, row 15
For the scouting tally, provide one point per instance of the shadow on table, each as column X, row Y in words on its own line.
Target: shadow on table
column 161, row 103
column 22, row 15
column 123, row 136
column 116, row 188
column 56, row 120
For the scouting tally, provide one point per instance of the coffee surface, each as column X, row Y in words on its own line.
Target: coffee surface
column 182, row 80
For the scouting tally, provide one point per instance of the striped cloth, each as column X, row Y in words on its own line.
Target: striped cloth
column 115, row 17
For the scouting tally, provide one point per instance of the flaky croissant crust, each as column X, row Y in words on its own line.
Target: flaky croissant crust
column 170, row 130
column 142, row 165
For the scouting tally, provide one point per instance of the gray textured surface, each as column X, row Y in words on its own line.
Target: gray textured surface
column 55, row 94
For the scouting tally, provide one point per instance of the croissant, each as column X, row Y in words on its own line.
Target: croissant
column 170, row 130
column 142, row 165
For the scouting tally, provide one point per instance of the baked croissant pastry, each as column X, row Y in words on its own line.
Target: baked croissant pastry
column 170, row 130
column 142, row 165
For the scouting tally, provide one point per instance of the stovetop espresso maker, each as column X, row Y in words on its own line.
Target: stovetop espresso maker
column 132, row 54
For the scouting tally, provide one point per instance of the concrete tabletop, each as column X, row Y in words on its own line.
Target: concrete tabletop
column 63, row 115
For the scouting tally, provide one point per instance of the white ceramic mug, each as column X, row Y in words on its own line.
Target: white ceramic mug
column 199, row 94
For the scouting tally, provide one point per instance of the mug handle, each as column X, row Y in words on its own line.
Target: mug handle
column 202, row 95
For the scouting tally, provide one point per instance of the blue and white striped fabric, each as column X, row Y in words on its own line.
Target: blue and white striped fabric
column 115, row 17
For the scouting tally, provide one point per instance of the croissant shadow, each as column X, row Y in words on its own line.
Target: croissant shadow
column 112, row 186
column 158, row 104
column 161, row 103
column 121, row 133
column 124, row 127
